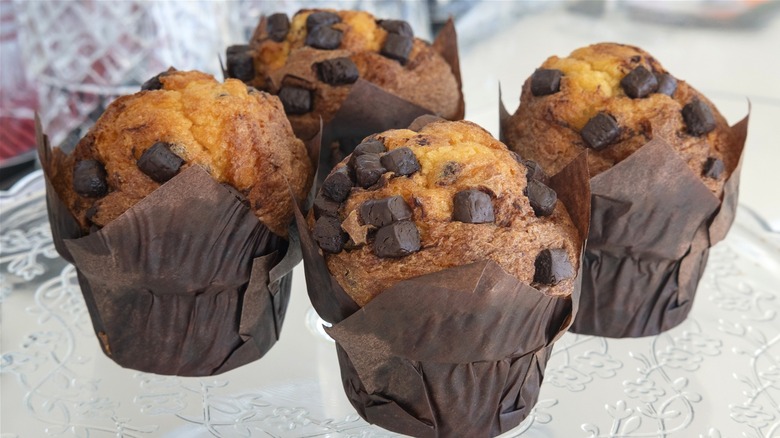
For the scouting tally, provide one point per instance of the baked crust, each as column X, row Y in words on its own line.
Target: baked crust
column 547, row 128
column 454, row 156
column 239, row 135
column 425, row 79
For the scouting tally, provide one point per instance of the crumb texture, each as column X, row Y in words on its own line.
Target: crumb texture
column 453, row 158
column 239, row 135
column 423, row 77
column 551, row 128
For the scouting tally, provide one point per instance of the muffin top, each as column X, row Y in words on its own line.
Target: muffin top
column 311, row 61
column 238, row 134
column 408, row 203
column 612, row 99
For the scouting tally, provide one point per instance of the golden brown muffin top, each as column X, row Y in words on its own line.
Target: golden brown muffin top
column 290, row 58
column 451, row 158
column 549, row 128
column 360, row 32
column 238, row 134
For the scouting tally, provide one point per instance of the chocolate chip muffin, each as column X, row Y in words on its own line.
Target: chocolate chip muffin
column 311, row 61
column 611, row 99
column 238, row 134
column 408, row 203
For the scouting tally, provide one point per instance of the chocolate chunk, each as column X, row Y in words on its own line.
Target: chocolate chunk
column 381, row 212
column 667, row 84
column 639, row 83
column 399, row 27
column 240, row 64
column 159, row 162
column 371, row 146
column 552, row 266
column 472, row 207
column 321, row 18
column 368, row 169
column 155, row 83
column 337, row 71
column 329, row 235
column 541, row 197
column 277, row 26
column 324, row 206
column 545, row 81
column 449, row 173
column 89, row 179
column 397, row 240
column 337, row 185
column 421, row 122
column 600, row 131
column 698, row 117
column 367, row 147
column 295, row 100
column 324, row 37
column 535, row 172
column 713, row 168
column 397, row 47
column 401, row 161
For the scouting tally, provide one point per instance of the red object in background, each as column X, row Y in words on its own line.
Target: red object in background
column 17, row 136
column 17, row 95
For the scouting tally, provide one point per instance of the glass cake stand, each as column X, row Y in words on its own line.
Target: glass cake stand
column 716, row 375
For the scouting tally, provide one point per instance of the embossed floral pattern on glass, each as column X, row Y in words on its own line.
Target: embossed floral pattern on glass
column 715, row 376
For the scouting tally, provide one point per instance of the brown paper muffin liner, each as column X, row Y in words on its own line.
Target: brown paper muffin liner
column 369, row 109
column 186, row 282
column 652, row 224
column 460, row 352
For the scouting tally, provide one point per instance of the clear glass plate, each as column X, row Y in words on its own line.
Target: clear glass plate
column 716, row 375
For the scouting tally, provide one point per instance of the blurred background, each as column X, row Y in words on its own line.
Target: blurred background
column 67, row 59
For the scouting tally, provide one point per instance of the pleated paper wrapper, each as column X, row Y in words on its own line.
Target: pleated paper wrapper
column 186, row 282
column 460, row 352
column 652, row 225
